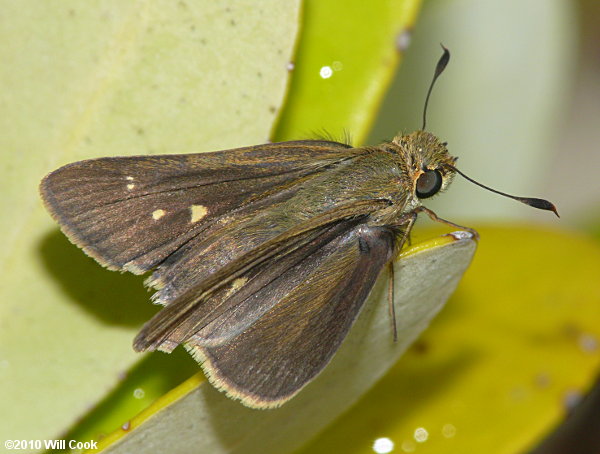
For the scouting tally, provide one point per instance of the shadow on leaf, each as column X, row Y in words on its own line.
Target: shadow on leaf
column 117, row 299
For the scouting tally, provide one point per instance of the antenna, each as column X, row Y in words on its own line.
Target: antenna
column 531, row 201
column 439, row 69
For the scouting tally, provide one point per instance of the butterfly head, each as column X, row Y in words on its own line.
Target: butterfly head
column 430, row 166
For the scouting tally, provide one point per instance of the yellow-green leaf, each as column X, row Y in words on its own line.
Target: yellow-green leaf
column 497, row 368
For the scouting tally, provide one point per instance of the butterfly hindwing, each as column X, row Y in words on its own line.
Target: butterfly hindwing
column 318, row 300
column 202, row 303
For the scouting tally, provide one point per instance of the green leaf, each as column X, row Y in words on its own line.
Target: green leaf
column 347, row 57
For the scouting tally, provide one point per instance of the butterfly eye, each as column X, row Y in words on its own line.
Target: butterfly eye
column 429, row 183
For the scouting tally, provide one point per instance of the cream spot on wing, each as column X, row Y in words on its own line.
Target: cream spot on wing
column 157, row 214
column 198, row 212
column 236, row 285
column 130, row 186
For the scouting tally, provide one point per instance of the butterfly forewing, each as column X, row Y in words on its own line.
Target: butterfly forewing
column 133, row 212
column 337, row 191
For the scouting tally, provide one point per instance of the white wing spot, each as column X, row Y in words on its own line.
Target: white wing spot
column 130, row 186
column 129, row 178
column 157, row 214
column 197, row 212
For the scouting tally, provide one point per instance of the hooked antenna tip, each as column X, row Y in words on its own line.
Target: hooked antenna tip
column 531, row 201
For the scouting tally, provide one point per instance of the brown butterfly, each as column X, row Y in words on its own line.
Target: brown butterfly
column 262, row 256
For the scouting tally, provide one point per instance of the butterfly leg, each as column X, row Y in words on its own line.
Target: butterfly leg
column 436, row 218
column 406, row 223
column 391, row 308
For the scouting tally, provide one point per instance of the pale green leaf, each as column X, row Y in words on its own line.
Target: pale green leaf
column 105, row 78
column 372, row 63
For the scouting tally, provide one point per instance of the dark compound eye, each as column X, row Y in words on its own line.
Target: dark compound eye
column 429, row 183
